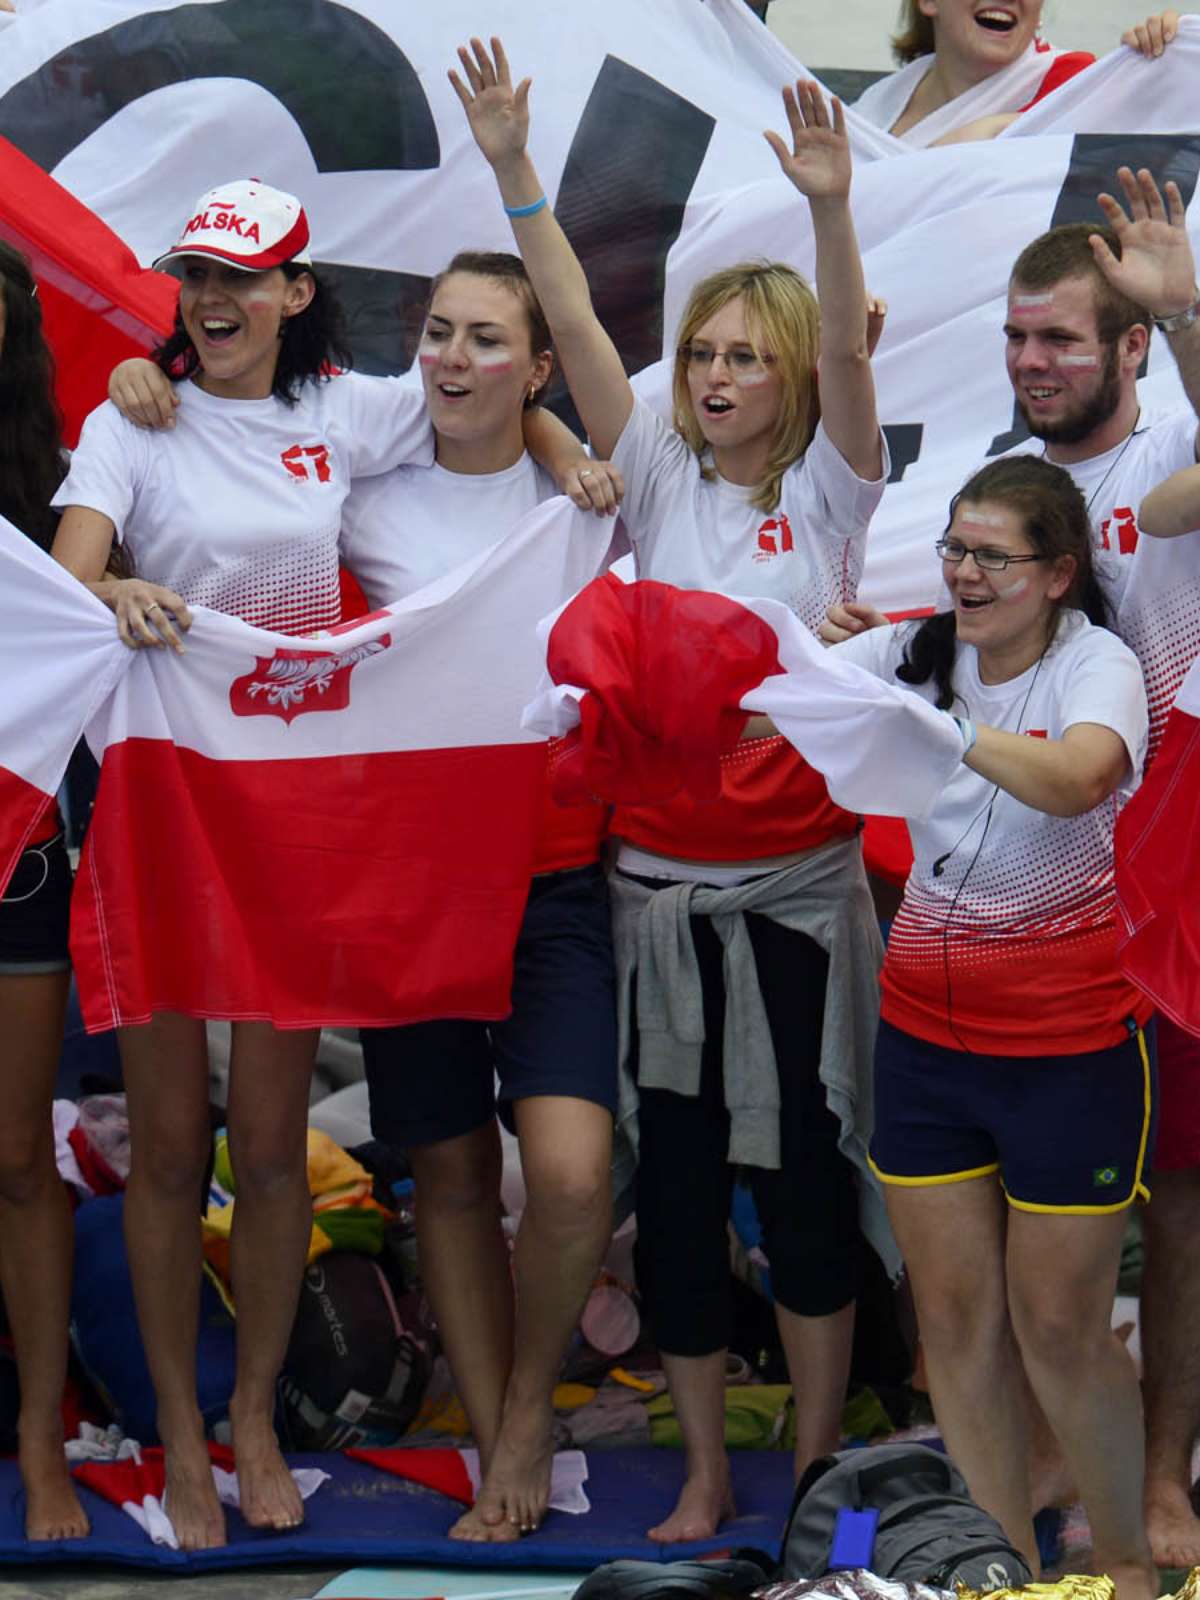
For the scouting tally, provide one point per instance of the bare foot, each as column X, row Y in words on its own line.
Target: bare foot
column 474, row 1530
column 52, row 1508
column 1133, row 1581
column 190, row 1497
column 704, row 1503
column 267, row 1492
column 516, row 1485
column 1171, row 1525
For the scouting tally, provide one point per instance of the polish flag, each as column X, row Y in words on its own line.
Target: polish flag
column 98, row 305
column 649, row 686
column 456, row 1473
column 137, row 1484
column 1158, row 868
column 336, row 830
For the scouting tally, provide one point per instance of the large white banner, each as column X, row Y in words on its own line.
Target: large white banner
column 647, row 129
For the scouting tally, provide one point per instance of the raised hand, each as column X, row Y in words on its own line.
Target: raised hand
column 819, row 161
column 1151, row 38
column 1157, row 269
column 498, row 113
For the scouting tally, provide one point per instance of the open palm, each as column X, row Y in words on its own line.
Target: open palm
column 498, row 113
column 1156, row 268
column 818, row 162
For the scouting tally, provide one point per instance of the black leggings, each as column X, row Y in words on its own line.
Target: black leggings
column 808, row 1208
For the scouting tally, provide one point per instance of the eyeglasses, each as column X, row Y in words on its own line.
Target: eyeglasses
column 955, row 552
column 741, row 359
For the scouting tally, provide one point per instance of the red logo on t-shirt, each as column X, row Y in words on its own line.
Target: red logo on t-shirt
column 1036, row 733
column 1124, row 522
column 768, row 545
column 294, row 681
column 294, row 460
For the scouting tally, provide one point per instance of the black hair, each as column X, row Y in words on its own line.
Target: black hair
column 1056, row 519
column 314, row 342
column 32, row 463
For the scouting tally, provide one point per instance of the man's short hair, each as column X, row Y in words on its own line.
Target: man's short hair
column 1064, row 252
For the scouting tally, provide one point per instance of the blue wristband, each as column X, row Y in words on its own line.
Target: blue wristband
column 526, row 211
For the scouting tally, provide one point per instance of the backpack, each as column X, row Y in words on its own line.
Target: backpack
column 929, row 1529
column 729, row 1578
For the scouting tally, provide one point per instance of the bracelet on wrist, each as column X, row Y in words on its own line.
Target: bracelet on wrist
column 970, row 733
column 530, row 210
column 1179, row 320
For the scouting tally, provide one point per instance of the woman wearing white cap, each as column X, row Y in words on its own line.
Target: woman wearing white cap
column 238, row 508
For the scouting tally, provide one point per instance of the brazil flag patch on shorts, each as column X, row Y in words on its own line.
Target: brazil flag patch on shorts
column 1105, row 1177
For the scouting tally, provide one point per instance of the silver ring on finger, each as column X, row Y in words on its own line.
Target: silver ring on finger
column 153, row 606
column 587, row 472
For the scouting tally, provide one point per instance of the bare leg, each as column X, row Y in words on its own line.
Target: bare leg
column 269, row 1079
column 165, row 1065
column 818, row 1351
column 697, row 1385
column 465, row 1269
column 1171, row 1364
column 36, row 1244
column 566, row 1149
column 1062, row 1275
column 952, row 1237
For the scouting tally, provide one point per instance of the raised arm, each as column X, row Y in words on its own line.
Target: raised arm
column 1157, row 268
column 818, row 164
column 499, row 119
column 1064, row 777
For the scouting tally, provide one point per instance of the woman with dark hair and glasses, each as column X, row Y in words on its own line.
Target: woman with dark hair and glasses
column 1014, row 1079
column 36, row 1233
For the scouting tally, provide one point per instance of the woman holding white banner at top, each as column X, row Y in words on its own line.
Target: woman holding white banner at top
column 969, row 68
column 1014, row 1079
column 764, row 890
column 236, row 507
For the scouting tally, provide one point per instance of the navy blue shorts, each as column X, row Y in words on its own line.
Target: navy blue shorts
column 35, row 911
column 1064, row 1133
column 436, row 1080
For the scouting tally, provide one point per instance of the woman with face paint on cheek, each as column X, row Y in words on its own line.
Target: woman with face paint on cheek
column 1014, row 1076
column 766, row 485
column 222, row 508
column 485, row 353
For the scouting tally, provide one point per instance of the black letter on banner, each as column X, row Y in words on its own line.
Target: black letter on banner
column 1095, row 158
column 309, row 65
column 312, row 58
column 628, row 175
column 904, row 446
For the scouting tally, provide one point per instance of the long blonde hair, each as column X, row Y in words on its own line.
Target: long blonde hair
column 783, row 322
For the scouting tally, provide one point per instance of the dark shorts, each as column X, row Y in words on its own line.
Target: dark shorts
column 437, row 1080
column 35, row 912
column 1064, row 1133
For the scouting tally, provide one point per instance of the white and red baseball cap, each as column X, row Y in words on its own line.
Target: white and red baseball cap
column 247, row 224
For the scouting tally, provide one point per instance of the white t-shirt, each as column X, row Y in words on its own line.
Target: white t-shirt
column 701, row 533
column 1006, row 939
column 238, row 507
column 403, row 529
column 1153, row 584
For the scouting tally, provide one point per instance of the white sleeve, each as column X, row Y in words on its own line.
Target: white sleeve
column 385, row 422
column 847, row 502
column 107, row 467
column 659, row 469
column 876, row 650
column 1103, row 683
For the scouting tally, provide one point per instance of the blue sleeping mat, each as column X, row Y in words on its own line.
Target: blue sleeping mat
column 367, row 1517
